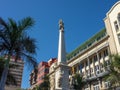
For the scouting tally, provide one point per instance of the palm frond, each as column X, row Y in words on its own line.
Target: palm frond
column 29, row 45
column 114, row 66
column 116, row 62
column 13, row 24
column 26, row 23
column 3, row 23
column 4, row 40
column 30, row 59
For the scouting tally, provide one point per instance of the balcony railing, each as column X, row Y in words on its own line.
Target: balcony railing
column 88, row 78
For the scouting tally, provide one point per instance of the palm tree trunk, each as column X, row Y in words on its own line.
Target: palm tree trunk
column 4, row 74
column 3, row 78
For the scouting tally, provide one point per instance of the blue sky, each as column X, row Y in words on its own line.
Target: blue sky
column 82, row 19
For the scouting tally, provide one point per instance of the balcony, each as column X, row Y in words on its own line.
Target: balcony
column 88, row 78
column 103, row 74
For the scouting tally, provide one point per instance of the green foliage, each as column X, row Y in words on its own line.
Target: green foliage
column 37, row 88
column 114, row 69
column 78, row 82
column 43, row 86
column 46, row 84
column 14, row 41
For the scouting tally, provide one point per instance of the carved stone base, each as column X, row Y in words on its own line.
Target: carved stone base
column 62, row 77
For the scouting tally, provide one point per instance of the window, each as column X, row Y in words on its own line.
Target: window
column 100, row 55
column 105, row 52
column 107, row 84
column 102, row 67
column 81, row 67
column 91, row 71
column 75, row 69
column 119, row 38
column 118, row 18
column 95, row 58
column 86, row 71
column 116, row 26
column 97, row 69
column 86, row 63
column 46, row 70
column 96, row 87
column 90, row 60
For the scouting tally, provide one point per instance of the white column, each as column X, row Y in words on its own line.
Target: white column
column 85, row 69
column 77, row 68
column 98, row 62
column 61, row 47
column 94, row 66
column 62, row 70
column 89, row 65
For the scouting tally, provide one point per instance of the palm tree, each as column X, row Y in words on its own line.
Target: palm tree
column 78, row 82
column 14, row 41
column 114, row 69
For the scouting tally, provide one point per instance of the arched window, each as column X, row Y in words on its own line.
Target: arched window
column 118, row 17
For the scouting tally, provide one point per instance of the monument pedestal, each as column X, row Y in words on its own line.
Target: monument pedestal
column 62, row 77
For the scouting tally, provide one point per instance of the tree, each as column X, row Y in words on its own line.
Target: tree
column 37, row 88
column 78, row 82
column 14, row 41
column 46, row 84
column 114, row 69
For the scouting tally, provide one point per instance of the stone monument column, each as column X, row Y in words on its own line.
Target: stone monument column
column 62, row 70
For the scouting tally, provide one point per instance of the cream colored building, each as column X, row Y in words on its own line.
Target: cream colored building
column 52, row 76
column 89, row 58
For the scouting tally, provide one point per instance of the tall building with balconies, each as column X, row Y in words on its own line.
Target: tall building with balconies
column 33, row 76
column 89, row 58
column 37, row 75
column 16, row 71
column 43, row 70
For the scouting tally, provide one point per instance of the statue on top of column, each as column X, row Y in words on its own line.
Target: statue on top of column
column 61, row 24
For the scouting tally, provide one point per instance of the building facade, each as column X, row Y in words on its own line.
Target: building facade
column 33, row 77
column 37, row 75
column 52, row 76
column 89, row 58
column 43, row 70
column 16, row 71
